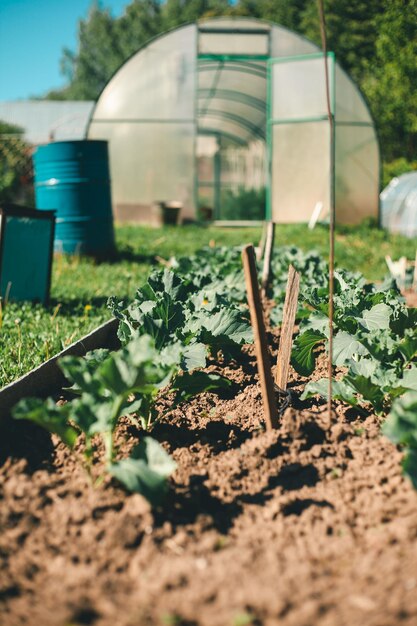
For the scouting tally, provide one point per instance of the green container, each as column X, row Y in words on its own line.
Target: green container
column 26, row 245
column 73, row 178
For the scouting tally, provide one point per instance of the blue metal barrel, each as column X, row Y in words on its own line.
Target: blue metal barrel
column 73, row 178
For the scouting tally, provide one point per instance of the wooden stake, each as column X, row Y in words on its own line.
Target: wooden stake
column 261, row 246
column 269, row 244
column 287, row 327
column 415, row 274
column 261, row 346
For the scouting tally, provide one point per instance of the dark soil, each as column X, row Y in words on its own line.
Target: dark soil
column 312, row 524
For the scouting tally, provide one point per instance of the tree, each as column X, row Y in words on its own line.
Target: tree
column 287, row 13
column 178, row 12
column 141, row 21
column 374, row 40
column 98, row 56
column 391, row 80
column 15, row 163
column 351, row 29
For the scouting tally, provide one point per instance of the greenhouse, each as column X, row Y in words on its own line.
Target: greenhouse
column 228, row 117
column 399, row 205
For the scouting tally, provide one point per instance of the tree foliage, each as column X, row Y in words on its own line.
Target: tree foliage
column 391, row 80
column 374, row 40
column 15, row 162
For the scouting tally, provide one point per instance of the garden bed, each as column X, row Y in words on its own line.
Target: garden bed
column 309, row 524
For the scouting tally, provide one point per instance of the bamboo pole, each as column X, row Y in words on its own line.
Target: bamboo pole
column 261, row 346
column 332, row 220
column 269, row 244
column 287, row 328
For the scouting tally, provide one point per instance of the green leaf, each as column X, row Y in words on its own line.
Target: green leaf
column 302, row 356
column 409, row 379
column 227, row 323
column 410, row 466
column 408, row 346
column 370, row 391
column 170, row 283
column 145, row 471
column 377, row 318
column 80, row 371
column 401, row 424
column 189, row 384
column 194, row 355
column 341, row 390
column 317, row 321
column 48, row 415
column 345, row 346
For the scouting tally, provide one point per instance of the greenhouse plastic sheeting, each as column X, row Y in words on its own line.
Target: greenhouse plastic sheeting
column 399, row 205
column 299, row 138
column 174, row 141
column 147, row 113
column 300, row 170
column 357, row 179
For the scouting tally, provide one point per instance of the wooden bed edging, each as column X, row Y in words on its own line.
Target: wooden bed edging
column 47, row 377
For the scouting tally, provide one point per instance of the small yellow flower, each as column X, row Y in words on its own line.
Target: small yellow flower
column 87, row 308
column 205, row 302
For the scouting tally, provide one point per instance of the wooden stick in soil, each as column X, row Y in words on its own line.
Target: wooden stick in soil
column 269, row 244
column 261, row 346
column 287, row 328
column 261, row 246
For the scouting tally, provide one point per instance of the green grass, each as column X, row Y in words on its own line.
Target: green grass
column 29, row 333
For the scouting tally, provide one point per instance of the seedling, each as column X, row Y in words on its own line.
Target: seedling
column 109, row 385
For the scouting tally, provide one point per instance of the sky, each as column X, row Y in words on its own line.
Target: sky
column 32, row 36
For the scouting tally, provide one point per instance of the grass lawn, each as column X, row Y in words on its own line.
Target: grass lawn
column 31, row 333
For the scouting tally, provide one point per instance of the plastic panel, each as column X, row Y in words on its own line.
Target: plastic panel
column 233, row 23
column 240, row 77
column 284, row 43
column 158, row 82
column 350, row 105
column 357, row 174
column 298, row 89
column 225, row 43
column 300, row 170
column 147, row 113
column 150, row 162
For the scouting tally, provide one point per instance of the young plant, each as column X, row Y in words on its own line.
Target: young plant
column 375, row 340
column 171, row 311
column 109, row 385
column 401, row 428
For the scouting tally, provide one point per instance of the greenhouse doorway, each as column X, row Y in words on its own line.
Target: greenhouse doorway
column 231, row 161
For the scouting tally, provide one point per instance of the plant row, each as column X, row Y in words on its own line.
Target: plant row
column 196, row 310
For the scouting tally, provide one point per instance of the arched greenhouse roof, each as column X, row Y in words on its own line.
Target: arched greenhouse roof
column 211, row 78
